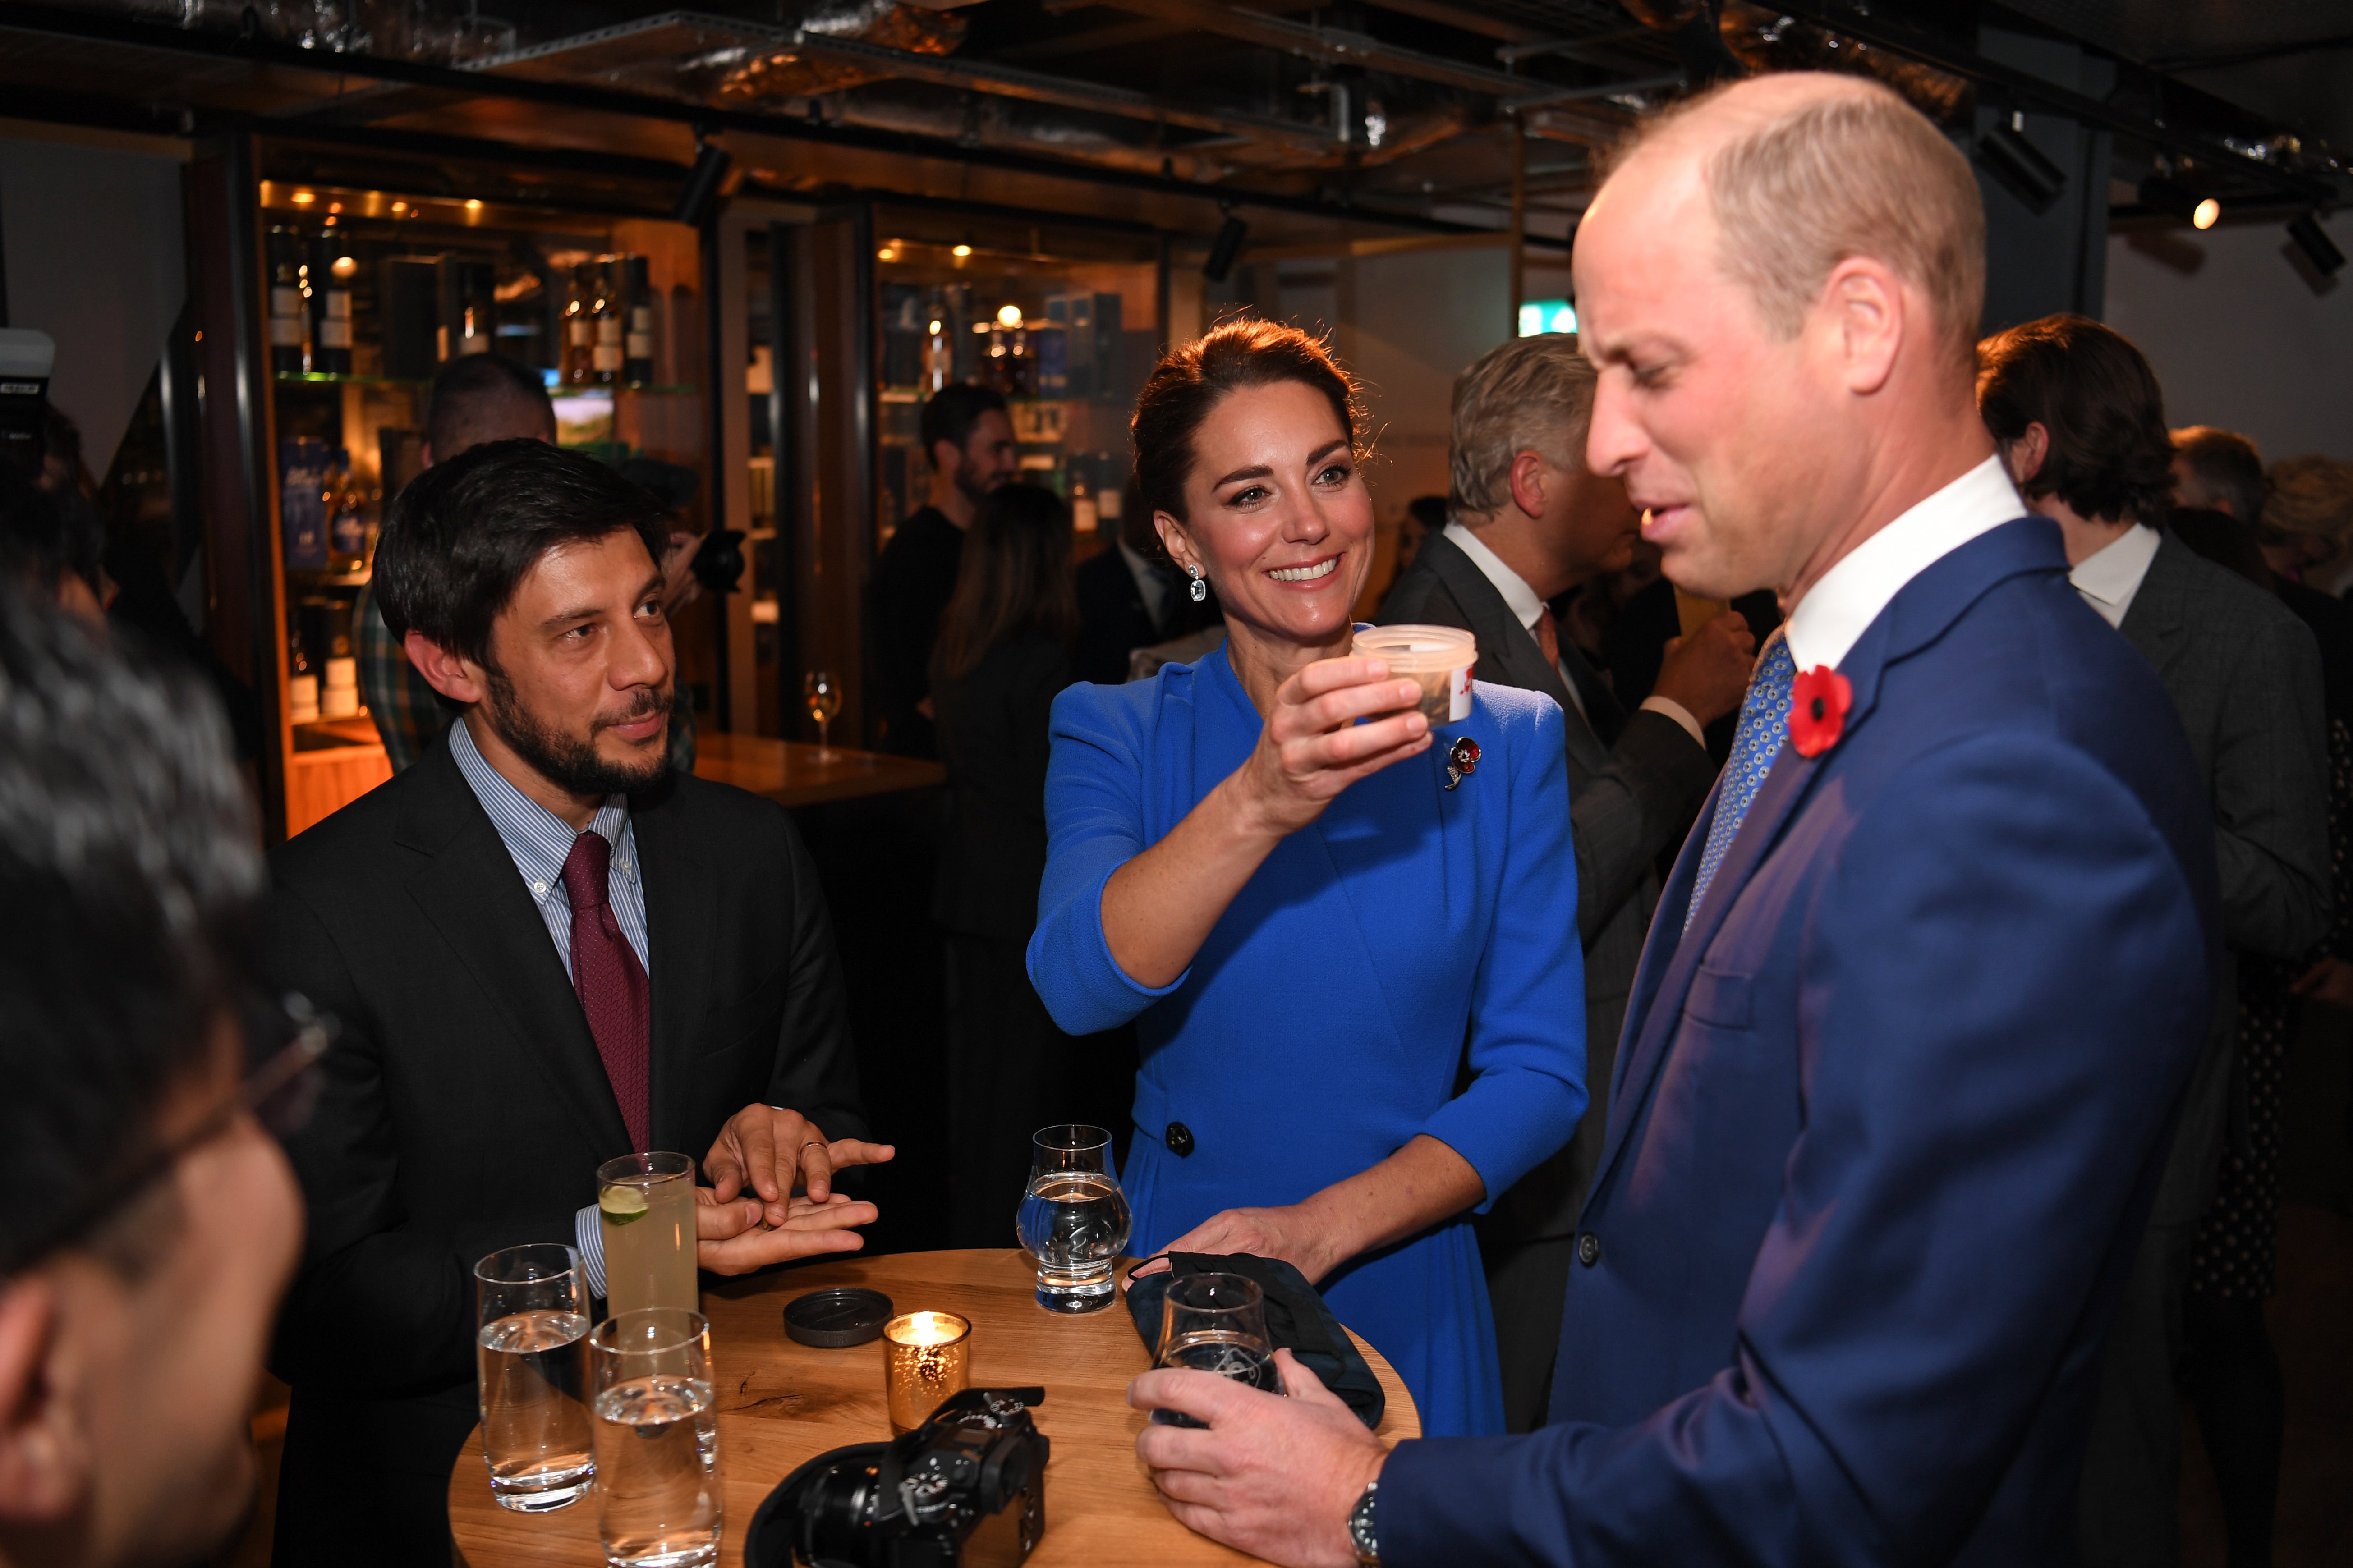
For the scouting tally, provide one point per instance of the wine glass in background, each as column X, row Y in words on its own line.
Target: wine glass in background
column 1073, row 1219
column 822, row 691
column 1215, row 1322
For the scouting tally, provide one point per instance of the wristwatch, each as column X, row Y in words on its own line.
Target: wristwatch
column 1363, row 1533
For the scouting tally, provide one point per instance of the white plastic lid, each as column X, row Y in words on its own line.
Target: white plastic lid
column 1411, row 647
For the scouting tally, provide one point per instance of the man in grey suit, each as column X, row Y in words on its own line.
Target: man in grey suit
column 1527, row 524
column 2081, row 424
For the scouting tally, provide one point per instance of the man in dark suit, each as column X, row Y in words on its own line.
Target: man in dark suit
column 1132, row 597
column 546, row 950
column 968, row 437
column 1528, row 523
column 2082, row 427
column 1926, row 984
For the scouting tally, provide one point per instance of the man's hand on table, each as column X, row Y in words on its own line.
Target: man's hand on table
column 1273, row 1476
column 773, row 1151
column 737, row 1236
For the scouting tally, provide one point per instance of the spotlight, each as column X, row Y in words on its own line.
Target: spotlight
column 2317, row 248
column 960, row 251
column 2019, row 167
column 2176, row 200
column 701, row 194
column 1225, row 248
column 1008, row 316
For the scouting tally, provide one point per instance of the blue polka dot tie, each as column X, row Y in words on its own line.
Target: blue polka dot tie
column 1763, row 724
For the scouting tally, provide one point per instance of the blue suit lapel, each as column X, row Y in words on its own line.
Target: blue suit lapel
column 1919, row 614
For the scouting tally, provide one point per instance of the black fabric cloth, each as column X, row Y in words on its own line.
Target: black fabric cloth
column 992, row 732
column 2232, row 1374
column 913, row 579
column 2331, row 623
column 1010, row 1069
column 1296, row 1320
column 1113, row 621
column 465, row 1108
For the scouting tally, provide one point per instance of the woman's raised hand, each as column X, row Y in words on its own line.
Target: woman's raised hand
column 1312, row 747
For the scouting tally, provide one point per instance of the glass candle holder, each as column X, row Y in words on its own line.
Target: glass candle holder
column 926, row 1356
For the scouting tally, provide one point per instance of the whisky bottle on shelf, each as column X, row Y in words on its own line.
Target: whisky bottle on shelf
column 637, row 336
column 476, row 288
column 606, row 367
column 330, row 305
column 579, row 326
column 287, row 308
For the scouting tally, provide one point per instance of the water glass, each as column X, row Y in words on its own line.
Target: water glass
column 530, row 1357
column 1215, row 1322
column 1074, row 1218
column 645, row 1204
column 657, row 1440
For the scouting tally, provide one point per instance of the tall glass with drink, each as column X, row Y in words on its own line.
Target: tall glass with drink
column 657, row 1440
column 1215, row 1322
column 1074, row 1218
column 645, row 1204
column 530, row 1357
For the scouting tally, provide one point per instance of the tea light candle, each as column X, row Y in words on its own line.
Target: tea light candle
column 926, row 1356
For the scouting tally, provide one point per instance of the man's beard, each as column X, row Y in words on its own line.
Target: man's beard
column 974, row 481
column 569, row 762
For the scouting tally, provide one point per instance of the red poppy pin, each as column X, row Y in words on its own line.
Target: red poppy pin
column 1819, row 700
column 1462, row 762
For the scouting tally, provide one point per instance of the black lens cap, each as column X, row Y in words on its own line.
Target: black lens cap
column 836, row 1320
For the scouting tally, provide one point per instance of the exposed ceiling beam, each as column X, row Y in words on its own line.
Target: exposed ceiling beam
column 1091, row 40
column 1036, row 86
column 269, row 57
column 1463, row 16
column 1331, row 46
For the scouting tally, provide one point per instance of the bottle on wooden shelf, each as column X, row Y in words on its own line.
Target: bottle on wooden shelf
column 288, row 309
column 579, row 325
column 606, row 365
column 330, row 305
column 638, row 333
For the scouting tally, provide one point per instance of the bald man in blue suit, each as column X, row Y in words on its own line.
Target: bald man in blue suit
column 1922, row 993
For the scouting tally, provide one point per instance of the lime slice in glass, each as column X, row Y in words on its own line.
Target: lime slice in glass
column 622, row 1204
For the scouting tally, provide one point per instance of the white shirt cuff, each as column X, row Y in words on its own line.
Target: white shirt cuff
column 1666, row 705
column 589, row 1230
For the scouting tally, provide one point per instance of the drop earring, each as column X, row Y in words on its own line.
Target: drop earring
column 1201, row 589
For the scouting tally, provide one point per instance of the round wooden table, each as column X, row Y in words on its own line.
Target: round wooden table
column 781, row 1403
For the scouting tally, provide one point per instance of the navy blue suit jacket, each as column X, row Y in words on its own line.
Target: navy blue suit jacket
column 1886, row 1123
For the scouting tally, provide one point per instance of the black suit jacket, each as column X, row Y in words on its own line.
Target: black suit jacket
column 913, row 579
column 1630, row 795
column 2245, row 676
column 1113, row 623
column 465, row 1108
column 995, row 739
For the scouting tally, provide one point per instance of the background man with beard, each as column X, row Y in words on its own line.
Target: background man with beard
column 547, row 949
column 969, row 437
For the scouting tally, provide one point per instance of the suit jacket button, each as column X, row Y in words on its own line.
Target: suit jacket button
column 1179, row 1139
column 1588, row 1249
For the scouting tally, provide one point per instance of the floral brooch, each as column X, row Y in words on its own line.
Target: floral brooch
column 1819, row 700
column 1462, row 762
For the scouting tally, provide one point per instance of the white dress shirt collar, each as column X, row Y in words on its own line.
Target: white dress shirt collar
column 2110, row 577
column 1520, row 598
column 1835, row 612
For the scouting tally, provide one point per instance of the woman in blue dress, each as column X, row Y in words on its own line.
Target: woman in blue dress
column 1357, row 986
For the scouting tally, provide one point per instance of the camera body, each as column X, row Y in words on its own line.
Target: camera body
column 966, row 1489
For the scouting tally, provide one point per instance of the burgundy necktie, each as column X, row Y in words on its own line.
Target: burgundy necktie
column 610, row 980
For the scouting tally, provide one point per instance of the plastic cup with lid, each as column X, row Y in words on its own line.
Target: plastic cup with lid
column 1440, row 658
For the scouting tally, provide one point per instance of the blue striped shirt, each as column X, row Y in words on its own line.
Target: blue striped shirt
column 538, row 840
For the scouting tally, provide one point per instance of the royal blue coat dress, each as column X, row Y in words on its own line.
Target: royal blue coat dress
column 1410, row 932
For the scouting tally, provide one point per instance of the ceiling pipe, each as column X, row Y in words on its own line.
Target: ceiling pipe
column 29, row 16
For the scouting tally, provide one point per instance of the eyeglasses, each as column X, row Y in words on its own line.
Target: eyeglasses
column 279, row 1094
